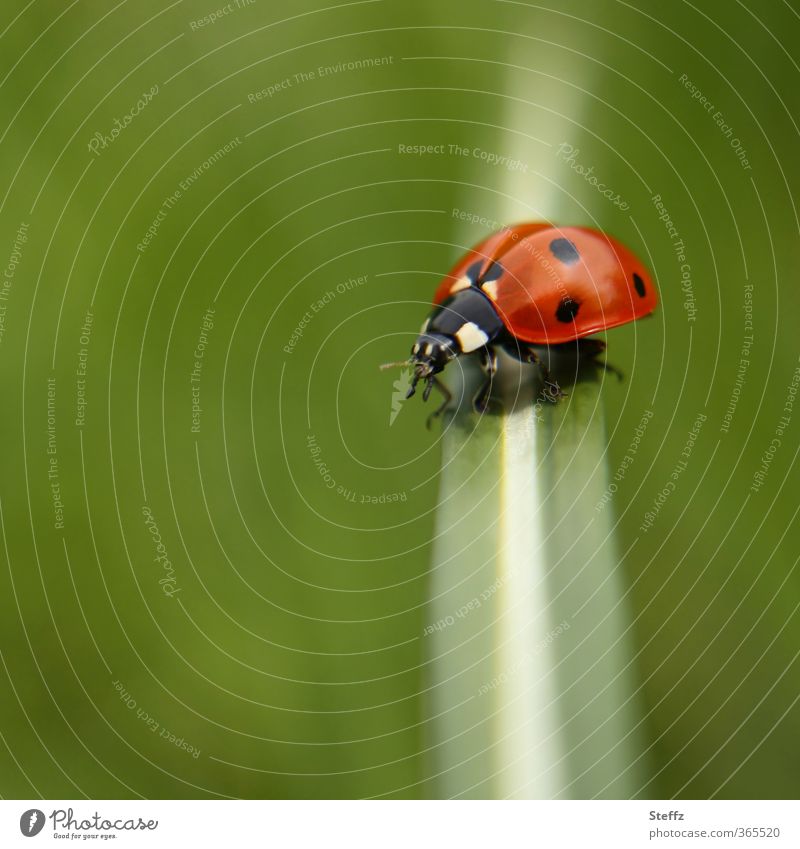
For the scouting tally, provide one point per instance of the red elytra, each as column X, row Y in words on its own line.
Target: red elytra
column 555, row 284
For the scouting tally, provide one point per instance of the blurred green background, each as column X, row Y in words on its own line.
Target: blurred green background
column 280, row 651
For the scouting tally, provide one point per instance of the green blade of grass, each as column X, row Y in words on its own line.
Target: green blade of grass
column 532, row 692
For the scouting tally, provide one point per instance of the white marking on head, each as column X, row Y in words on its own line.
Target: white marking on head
column 471, row 337
column 416, row 348
column 429, row 349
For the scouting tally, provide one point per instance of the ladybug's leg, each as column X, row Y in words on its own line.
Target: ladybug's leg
column 591, row 348
column 448, row 397
column 526, row 354
column 488, row 361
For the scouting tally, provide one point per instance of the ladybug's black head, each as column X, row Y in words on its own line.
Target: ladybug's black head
column 463, row 323
column 429, row 355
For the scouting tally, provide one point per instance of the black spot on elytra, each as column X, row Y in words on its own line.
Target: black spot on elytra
column 473, row 271
column 638, row 284
column 493, row 272
column 564, row 251
column 567, row 310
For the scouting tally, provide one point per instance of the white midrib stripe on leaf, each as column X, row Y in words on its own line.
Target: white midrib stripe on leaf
column 526, row 715
column 519, row 705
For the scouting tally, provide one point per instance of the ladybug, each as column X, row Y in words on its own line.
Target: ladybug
column 526, row 286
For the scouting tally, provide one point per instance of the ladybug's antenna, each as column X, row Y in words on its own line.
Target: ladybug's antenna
column 407, row 362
